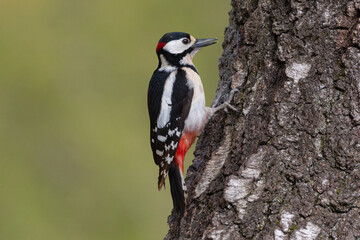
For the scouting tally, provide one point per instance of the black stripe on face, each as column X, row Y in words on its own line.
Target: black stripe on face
column 191, row 66
column 174, row 59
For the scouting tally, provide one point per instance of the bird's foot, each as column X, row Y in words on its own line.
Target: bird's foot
column 227, row 104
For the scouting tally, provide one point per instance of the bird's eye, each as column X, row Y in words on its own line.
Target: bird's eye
column 185, row 41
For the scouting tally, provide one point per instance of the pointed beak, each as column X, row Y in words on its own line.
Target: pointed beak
column 199, row 43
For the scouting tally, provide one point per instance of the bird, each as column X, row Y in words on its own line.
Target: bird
column 177, row 111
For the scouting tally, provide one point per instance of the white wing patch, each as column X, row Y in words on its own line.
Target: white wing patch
column 164, row 115
column 160, row 153
column 175, row 131
column 161, row 138
column 164, row 173
column 173, row 146
column 171, row 132
column 169, row 159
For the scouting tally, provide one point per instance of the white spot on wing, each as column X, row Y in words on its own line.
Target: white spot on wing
column 175, row 131
column 164, row 173
column 161, row 138
column 171, row 132
column 173, row 146
column 178, row 133
column 160, row 153
column 169, row 159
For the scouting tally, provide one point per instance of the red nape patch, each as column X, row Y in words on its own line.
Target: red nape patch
column 160, row 46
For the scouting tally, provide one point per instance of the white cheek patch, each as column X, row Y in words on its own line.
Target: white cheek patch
column 176, row 46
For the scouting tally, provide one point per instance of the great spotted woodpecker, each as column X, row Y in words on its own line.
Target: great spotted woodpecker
column 176, row 104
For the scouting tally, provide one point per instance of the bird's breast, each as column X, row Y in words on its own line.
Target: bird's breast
column 197, row 114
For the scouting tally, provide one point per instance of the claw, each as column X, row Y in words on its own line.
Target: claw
column 232, row 92
column 231, row 96
column 227, row 104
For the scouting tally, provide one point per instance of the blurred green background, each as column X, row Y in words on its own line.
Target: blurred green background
column 75, row 160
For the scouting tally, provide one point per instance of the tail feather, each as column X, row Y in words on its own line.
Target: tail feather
column 161, row 179
column 177, row 187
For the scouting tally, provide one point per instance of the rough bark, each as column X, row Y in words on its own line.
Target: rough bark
column 286, row 166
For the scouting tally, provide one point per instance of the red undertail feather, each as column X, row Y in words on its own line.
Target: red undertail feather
column 187, row 139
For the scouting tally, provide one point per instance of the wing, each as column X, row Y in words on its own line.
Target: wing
column 155, row 90
column 169, row 102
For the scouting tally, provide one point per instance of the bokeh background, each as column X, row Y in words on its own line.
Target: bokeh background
column 75, row 160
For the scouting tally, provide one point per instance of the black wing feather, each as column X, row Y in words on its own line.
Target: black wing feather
column 181, row 103
column 156, row 87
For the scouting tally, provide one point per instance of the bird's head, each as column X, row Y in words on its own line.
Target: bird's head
column 178, row 48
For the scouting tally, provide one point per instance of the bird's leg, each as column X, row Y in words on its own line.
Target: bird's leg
column 225, row 105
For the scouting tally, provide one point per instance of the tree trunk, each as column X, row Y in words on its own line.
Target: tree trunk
column 287, row 165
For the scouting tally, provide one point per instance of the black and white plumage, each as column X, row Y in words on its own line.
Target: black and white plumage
column 168, row 111
column 177, row 111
